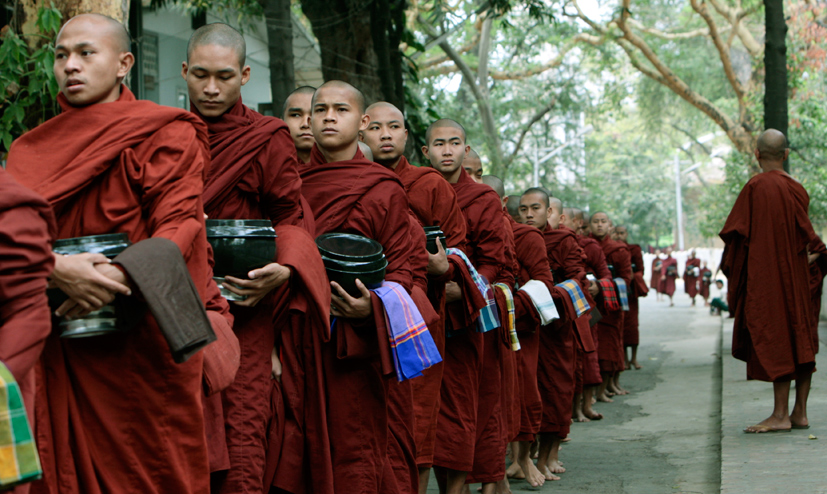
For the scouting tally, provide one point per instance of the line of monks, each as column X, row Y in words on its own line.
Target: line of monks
column 697, row 276
column 530, row 304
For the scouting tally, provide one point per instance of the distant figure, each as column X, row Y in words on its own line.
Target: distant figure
column 691, row 276
column 654, row 281
column 473, row 165
column 765, row 260
column 668, row 273
column 705, row 280
column 718, row 303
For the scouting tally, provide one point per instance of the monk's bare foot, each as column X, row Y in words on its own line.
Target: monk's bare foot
column 515, row 471
column 628, row 366
column 503, row 487
column 548, row 474
column 636, row 365
column 771, row 424
column 594, row 400
column 533, row 476
column 592, row 415
column 799, row 420
column 555, row 466
column 579, row 416
column 604, row 398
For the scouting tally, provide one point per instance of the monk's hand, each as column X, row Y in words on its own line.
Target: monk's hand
column 438, row 263
column 593, row 288
column 261, row 282
column 453, row 292
column 88, row 288
column 811, row 257
column 343, row 305
column 275, row 363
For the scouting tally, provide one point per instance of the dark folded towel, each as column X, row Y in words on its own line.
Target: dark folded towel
column 158, row 269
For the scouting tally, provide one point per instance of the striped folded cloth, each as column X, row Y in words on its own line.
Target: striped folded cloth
column 610, row 301
column 19, row 461
column 412, row 345
column 622, row 293
column 511, row 326
column 488, row 319
column 538, row 292
column 578, row 300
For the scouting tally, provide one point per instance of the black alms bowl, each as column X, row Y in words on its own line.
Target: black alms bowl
column 240, row 246
column 347, row 280
column 355, row 267
column 349, row 247
column 110, row 244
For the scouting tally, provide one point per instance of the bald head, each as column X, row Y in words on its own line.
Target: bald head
column 365, row 150
column 512, row 204
column 443, row 123
column 473, row 166
column 299, row 91
column 384, row 105
column 772, row 146
column 112, row 27
column 495, row 183
column 556, row 205
column 358, row 99
column 541, row 193
column 221, row 35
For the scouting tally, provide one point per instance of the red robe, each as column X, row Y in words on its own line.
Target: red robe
column 667, row 282
column 610, row 327
column 654, row 281
column 457, row 423
column 818, row 269
column 358, row 196
column 27, row 227
column 138, row 168
column 703, row 285
column 765, row 259
column 253, row 175
column 631, row 330
column 556, row 366
column 533, row 265
column 690, row 281
column 596, row 265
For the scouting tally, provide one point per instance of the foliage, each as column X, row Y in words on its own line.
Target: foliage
column 27, row 80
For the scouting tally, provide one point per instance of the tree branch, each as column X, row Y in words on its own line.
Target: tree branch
column 734, row 17
column 534, row 119
column 697, row 33
column 723, row 51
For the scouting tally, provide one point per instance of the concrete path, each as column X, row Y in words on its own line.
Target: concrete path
column 665, row 436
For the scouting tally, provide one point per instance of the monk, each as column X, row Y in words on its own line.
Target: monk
column 705, row 277
column 610, row 327
column 112, row 164
column 27, row 227
column 433, row 202
column 668, row 275
column 631, row 329
column 690, row 279
column 470, row 415
column 818, row 269
column 654, row 281
column 473, row 165
column 352, row 195
column 765, row 259
column 557, row 363
column 296, row 114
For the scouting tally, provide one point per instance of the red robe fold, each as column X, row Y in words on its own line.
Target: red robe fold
column 765, row 260
column 27, row 227
column 631, row 330
column 596, row 265
column 457, row 425
column 137, row 168
column 358, row 196
column 818, row 269
column 253, row 175
column 690, row 281
column 704, row 284
column 610, row 327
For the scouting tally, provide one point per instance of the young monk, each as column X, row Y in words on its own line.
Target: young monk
column 296, row 114
column 704, row 283
column 434, row 202
column 470, row 407
column 610, row 328
column 631, row 330
column 668, row 275
column 690, row 281
column 557, row 364
column 473, row 165
column 110, row 163
column 769, row 225
column 654, row 281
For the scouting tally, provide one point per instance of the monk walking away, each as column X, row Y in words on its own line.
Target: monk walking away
column 767, row 235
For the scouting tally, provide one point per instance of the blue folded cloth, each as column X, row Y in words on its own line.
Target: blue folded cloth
column 488, row 319
column 622, row 293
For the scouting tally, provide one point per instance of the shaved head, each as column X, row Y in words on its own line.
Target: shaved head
column 444, row 122
column 115, row 28
column 298, row 91
column 555, row 204
column 772, row 145
column 513, row 207
column 569, row 212
column 473, row 166
column 388, row 106
column 543, row 193
column 358, row 97
column 221, row 35
column 495, row 183
column 365, row 150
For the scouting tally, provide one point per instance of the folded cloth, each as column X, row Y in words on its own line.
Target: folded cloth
column 413, row 347
column 622, row 293
column 578, row 300
column 538, row 292
column 19, row 461
column 157, row 267
column 607, row 289
column 510, row 325
column 488, row 319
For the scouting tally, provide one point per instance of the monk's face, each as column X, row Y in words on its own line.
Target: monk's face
column 534, row 210
column 447, row 149
column 337, row 118
column 214, row 78
column 297, row 118
column 621, row 234
column 473, row 167
column 599, row 225
column 90, row 62
column 386, row 135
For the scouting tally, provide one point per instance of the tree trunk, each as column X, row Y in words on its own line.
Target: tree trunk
column 775, row 62
column 280, row 48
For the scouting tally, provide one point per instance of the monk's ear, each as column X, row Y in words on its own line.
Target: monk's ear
column 425, row 152
column 184, row 69
column 365, row 122
column 125, row 62
column 245, row 74
column 467, row 149
column 562, row 218
column 757, row 154
column 786, row 153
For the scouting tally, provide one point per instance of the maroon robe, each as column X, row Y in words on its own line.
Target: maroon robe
column 596, row 265
column 704, row 284
column 137, row 168
column 818, row 269
column 654, row 281
column 631, row 324
column 765, row 260
column 610, row 327
column 361, row 197
column 667, row 281
column 690, row 281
